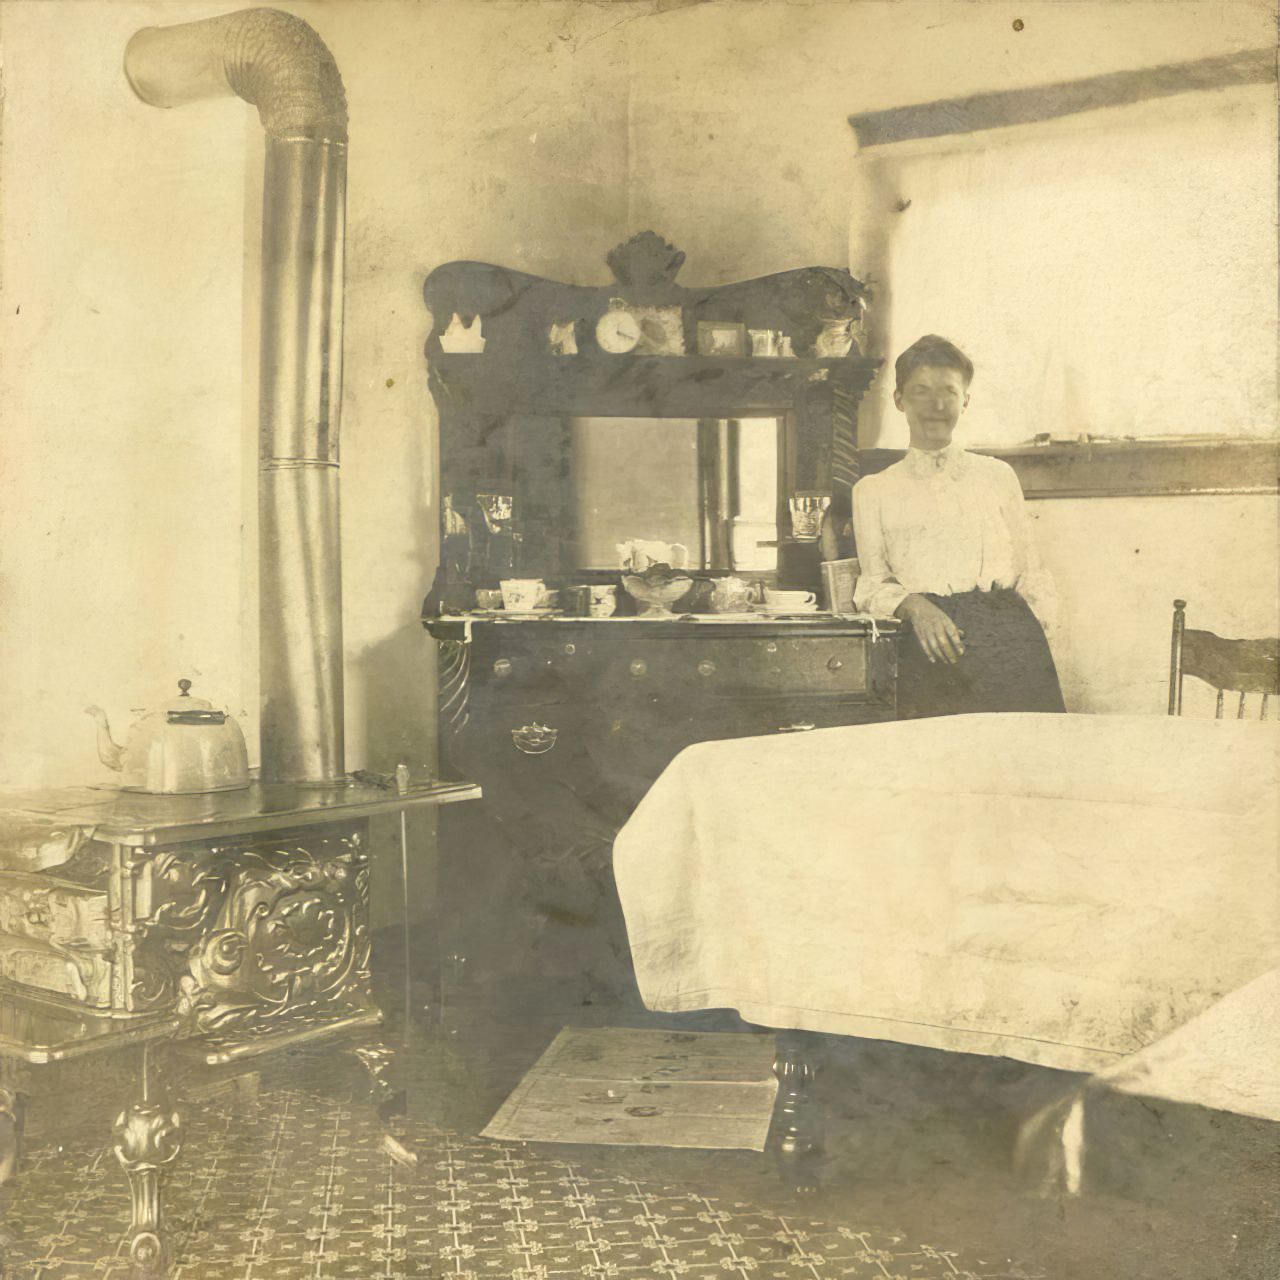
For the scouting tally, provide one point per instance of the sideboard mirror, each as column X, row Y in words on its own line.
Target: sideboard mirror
column 575, row 417
column 709, row 485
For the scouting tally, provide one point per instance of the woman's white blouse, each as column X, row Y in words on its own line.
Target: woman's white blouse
column 945, row 521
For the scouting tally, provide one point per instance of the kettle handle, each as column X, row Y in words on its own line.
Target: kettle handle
column 109, row 752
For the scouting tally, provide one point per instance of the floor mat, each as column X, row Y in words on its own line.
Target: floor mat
column 628, row 1087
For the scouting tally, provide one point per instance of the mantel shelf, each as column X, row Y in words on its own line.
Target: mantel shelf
column 639, row 385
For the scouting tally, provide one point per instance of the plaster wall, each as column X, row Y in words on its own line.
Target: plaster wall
column 533, row 134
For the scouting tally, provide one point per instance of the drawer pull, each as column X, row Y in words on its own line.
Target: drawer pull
column 706, row 667
column 639, row 667
column 534, row 739
column 834, row 664
column 502, row 668
column 802, row 727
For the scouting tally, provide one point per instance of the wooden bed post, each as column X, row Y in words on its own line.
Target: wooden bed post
column 795, row 1070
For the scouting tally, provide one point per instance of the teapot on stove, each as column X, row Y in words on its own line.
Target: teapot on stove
column 185, row 747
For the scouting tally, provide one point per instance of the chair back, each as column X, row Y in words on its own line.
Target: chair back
column 1236, row 666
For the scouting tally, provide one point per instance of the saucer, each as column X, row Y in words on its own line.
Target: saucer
column 515, row 613
column 789, row 609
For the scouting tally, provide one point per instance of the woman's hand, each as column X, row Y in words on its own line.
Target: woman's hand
column 939, row 637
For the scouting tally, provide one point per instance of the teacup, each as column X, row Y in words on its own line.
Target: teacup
column 790, row 601
column 487, row 599
column 522, row 595
column 604, row 601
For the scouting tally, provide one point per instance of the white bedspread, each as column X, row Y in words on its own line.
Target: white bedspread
column 1058, row 889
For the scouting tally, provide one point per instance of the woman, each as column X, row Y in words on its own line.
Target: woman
column 945, row 544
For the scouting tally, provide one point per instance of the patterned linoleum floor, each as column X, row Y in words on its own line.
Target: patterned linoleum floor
column 285, row 1183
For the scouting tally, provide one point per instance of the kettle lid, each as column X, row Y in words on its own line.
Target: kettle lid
column 185, row 702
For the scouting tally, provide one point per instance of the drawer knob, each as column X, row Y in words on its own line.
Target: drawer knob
column 802, row 727
column 639, row 667
column 834, row 664
column 502, row 668
column 534, row 739
column 771, row 647
column 571, row 649
column 706, row 667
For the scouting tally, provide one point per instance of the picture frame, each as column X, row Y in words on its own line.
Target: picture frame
column 661, row 331
column 720, row 338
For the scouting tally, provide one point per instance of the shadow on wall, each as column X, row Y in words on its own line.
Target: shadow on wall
column 397, row 676
column 389, row 562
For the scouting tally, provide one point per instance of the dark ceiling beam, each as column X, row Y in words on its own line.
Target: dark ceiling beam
column 1047, row 102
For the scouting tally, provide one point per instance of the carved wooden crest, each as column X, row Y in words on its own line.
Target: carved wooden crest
column 522, row 315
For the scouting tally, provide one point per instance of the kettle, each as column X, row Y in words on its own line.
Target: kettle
column 185, row 747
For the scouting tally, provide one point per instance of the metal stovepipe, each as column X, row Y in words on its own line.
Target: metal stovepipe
column 279, row 64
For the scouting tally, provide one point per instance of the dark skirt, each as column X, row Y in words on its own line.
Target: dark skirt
column 1006, row 664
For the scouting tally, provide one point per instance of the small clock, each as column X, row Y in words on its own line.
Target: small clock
column 618, row 331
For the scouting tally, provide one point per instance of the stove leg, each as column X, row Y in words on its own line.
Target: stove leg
column 148, row 1137
column 797, row 1153
column 11, row 1117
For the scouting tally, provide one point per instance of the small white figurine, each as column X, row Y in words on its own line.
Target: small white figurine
column 461, row 338
column 562, row 339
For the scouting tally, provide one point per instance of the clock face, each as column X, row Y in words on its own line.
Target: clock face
column 618, row 332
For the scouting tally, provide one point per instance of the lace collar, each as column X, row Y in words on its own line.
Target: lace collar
column 950, row 461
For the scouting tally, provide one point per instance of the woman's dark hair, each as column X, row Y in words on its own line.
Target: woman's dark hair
column 936, row 352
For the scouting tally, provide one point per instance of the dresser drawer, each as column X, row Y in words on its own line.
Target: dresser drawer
column 730, row 669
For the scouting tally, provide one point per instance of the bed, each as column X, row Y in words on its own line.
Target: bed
column 1063, row 890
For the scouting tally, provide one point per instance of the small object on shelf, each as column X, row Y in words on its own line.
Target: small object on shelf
column 463, row 339
column 603, row 601
column 839, row 579
column 618, row 330
column 764, row 342
column 784, row 347
column 730, row 595
column 498, row 510
column 487, row 598
column 453, row 524
column 661, row 331
column 779, row 601
column 657, row 589
column 721, row 339
column 562, row 339
column 638, row 555
column 807, row 512
column 522, row 595
column 836, row 338
column 367, row 778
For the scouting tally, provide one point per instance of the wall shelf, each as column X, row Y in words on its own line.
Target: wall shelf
column 1130, row 468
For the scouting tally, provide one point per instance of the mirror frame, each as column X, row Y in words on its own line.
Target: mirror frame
column 506, row 389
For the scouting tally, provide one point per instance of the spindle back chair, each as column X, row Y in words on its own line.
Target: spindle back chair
column 1230, row 666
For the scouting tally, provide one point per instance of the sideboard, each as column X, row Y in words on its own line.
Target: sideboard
column 573, row 418
column 566, row 722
